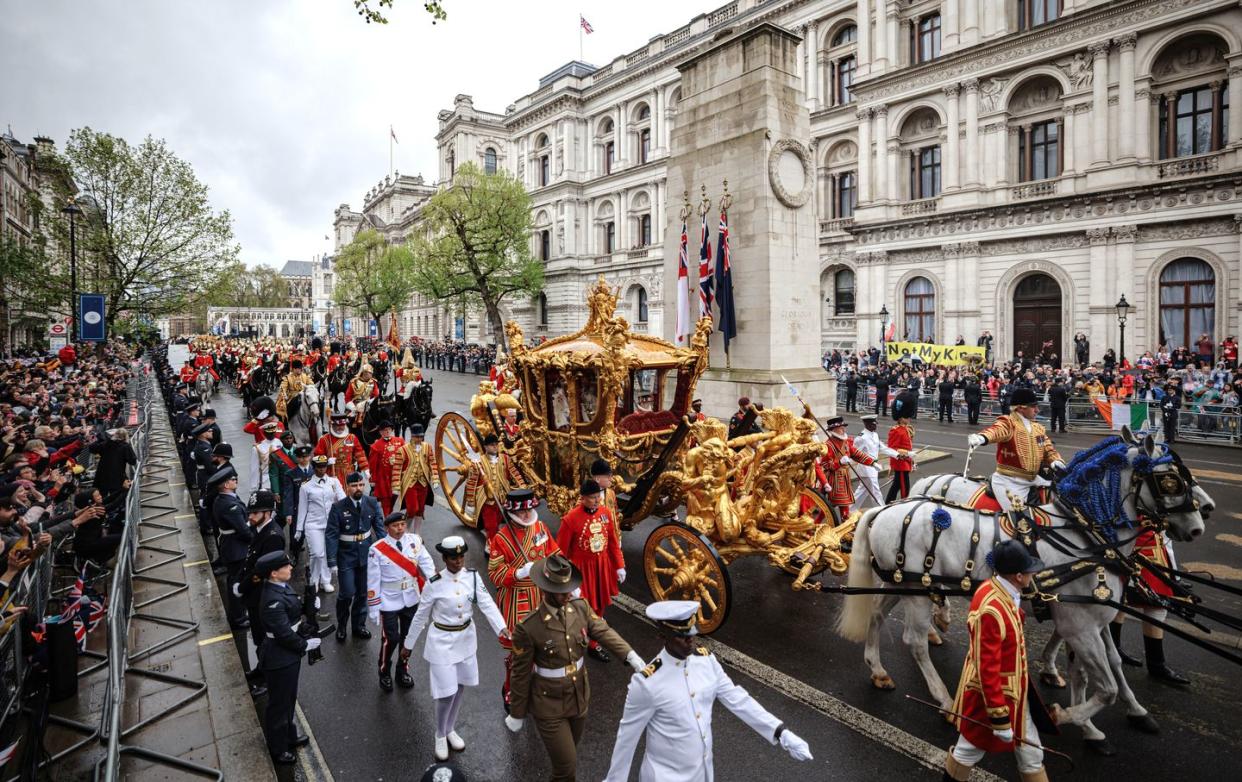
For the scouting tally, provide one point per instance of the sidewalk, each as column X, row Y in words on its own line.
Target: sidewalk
column 187, row 712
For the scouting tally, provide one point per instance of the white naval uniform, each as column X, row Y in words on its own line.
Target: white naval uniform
column 674, row 705
column 389, row 586
column 449, row 600
column 869, row 443
column 315, row 498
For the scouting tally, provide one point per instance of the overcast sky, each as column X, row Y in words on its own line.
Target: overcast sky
column 283, row 106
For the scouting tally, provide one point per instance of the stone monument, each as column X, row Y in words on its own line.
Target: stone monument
column 740, row 119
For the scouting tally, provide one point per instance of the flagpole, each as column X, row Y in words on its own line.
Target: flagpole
column 390, row 150
column 580, row 18
column 726, row 201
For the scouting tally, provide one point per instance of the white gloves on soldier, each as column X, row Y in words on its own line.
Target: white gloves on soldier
column 514, row 724
column 1058, row 465
column 846, row 460
column 634, row 661
column 524, row 570
column 312, row 644
column 1005, row 735
column 796, row 747
column 976, row 440
column 620, row 575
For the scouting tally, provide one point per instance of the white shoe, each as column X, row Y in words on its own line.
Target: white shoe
column 455, row 741
column 441, row 748
column 329, row 588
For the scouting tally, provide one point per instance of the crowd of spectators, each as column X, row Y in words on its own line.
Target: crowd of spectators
column 454, row 355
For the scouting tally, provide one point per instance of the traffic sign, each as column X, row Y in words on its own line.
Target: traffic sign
column 57, row 330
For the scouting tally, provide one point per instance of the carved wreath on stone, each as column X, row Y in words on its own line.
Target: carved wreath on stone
column 779, row 188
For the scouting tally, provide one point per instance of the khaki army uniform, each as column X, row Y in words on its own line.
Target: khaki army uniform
column 549, row 679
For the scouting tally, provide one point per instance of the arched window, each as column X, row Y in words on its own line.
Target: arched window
column 843, row 292
column 541, row 306
column 489, row 161
column 847, row 34
column 842, row 65
column 452, row 163
column 609, row 145
column 846, row 68
column 640, row 304
column 610, row 237
column 643, row 120
column 1191, row 89
column 920, row 310
column 1036, row 111
column 1187, row 302
column 644, row 113
column 545, row 161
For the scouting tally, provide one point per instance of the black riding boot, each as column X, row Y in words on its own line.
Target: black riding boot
column 1156, row 667
column 1114, row 629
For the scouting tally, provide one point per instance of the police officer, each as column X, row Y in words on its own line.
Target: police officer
column 207, row 415
column 851, row 392
column 1170, row 408
column 395, row 566
column 220, row 456
column 200, row 457
column 266, row 539
column 672, row 699
column 972, row 394
column 354, row 523
column 184, row 428
column 1058, row 398
column 549, row 680
column 282, row 655
column 882, row 382
column 230, row 519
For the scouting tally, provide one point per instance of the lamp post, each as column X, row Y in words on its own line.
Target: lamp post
column 1123, row 309
column 883, row 330
column 73, row 210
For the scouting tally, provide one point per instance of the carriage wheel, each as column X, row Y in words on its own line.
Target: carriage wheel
column 681, row 564
column 820, row 512
column 453, row 434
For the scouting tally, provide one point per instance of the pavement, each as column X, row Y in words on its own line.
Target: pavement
column 781, row 647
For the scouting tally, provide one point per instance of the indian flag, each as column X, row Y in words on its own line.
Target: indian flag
column 1120, row 414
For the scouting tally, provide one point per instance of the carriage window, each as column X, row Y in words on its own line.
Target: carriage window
column 530, row 387
column 645, row 390
column 588, row 395
column 668, row 394
column 558, row 402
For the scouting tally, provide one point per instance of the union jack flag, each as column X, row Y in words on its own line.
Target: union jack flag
column 586, row 26
column 705, row 271
column 683, row 290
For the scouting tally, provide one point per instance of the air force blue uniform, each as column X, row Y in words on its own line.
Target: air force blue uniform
column 353, row 525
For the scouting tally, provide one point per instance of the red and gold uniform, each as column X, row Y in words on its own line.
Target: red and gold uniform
column 499, row 473
column 188, row 375
column 413, row 470
column 334, row 361
column 1020, row 453
column 1151, row 544
column 348, row 453
column 589, row 540
column 384, row 453
column 204, row 361
column 360, row 392
column 837, row 478
column 900, row 438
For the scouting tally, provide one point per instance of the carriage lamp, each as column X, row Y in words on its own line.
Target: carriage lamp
column 1123, row 309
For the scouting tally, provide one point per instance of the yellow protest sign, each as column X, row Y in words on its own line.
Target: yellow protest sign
column 934, row 354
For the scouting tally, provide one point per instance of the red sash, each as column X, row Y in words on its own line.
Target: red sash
column 402, row 562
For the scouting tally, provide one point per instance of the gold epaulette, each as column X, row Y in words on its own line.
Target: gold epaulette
column 653, row 667
column 702, row 651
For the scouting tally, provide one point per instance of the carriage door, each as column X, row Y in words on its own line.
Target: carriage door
column 1037, row 315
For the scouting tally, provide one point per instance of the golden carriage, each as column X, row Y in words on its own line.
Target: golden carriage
column 607, row 393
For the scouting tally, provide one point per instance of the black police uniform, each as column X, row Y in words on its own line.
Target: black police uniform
column 945, row 399
column 1058, row 398
column 200, row 458
column 882, row 383
column 851, row 393
column 267, row 539
column 1170, row 408
column 290, row 485
column 972, row 394
column 281, row 662
column 235, row 535
column 353, row 525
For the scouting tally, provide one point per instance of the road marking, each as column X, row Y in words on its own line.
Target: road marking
column 196, row 564
column 1220, row 475
column 1235, row 515
column 1220, row 571
column 216, row 640
column 314, row 768
column 1234, row 539
column 874, row 728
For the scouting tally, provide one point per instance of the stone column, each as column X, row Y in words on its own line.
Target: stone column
column 884, row 190
column 622, row 138
column 989, row 18
column 954, row 287
column 657, row 213
column 1123, row 282
column 989, row 151
column 881, row 35
column 810, row 43
column 1235, row 99
column 891, row 180
column 895, row 39
column 864, row 153
column 950, row 167
column 969, row 22
column 1100, row 313
column 1128, row 120
column 657, row 123
column 1006, row 137
column 968, row 269
column 1142, row 122
column 1099, row 102
column 972, row 131
column 1067, row 142
column 949, row 35
column 864, row 37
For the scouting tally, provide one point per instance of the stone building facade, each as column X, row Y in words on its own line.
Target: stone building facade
column 1015, row 166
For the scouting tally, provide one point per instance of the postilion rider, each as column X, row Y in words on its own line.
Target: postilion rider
column 1023, row 448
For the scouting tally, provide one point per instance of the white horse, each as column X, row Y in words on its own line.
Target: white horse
column 204, row 386
column 1156, row 486
column 305, row 422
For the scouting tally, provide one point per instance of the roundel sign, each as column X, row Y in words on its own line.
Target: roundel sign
column 58, row 329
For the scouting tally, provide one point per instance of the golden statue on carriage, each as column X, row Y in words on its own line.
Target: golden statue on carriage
column 604, row 392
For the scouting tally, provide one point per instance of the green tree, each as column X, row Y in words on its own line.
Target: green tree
column 153, row 240
column 28, row 284
column 476, row 244
column 372, row 13
column 373, row 276
column 239, row 286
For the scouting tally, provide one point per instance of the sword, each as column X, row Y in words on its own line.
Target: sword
column 966, row 468
column 828, row 434
column 971, row 720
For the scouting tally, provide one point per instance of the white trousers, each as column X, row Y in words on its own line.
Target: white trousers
column 864, row 498
column 317, row 553
column 1004, row 484
column 1030, row 759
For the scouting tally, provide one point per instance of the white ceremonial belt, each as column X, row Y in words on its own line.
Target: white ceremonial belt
column 294, row 628
column 228, row 532
column 559, row 673
column 403, row 584
column 356, row 538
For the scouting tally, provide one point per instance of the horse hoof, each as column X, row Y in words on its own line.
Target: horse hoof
column 934, row 638
column 941, row 622
column 1102, row 747
column 883, row 682
column 1052, row 680
column 1144, row 722
column 1059, row 715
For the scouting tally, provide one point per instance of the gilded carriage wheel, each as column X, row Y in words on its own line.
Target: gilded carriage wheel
column 681, row 564
column 814, row 505
column 454, row 437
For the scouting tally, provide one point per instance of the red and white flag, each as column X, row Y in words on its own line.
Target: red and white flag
column 892, row 329
column 586, row 26
column 683, row 290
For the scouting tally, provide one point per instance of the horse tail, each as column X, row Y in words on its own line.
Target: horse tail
column 855, row 618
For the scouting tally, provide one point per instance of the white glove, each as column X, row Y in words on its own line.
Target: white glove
column 846, row 460
column 634, row 661
column 795, row 746
column 1058, row 465
column 312, row 644
column 976, row 440
column 366, row 475
column 237, row 590
column 1005, row 735
column 524, row 570
column 577, row 593
column 620, row 575
column 514, row 724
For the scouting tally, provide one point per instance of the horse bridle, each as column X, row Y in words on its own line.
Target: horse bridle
column 1164, row 485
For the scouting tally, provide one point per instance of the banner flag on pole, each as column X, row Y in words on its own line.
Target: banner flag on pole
column 683, row 290
column 724, row 285
column 1120, row 414
column 705, row 271
column 394, row 336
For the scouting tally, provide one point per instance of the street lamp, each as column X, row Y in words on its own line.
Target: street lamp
column 883, row 331
column 73, row 210
column 1123, row 309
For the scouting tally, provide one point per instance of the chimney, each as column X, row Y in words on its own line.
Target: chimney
column 44, row 147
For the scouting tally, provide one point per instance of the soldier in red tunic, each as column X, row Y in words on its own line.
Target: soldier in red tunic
column 1152, row 545
column 383, row 455
column 993, row 688
column 344, row 449
column 520, row 542
column 838, row 478
column 413, row 476
column 188, row 375
column 900, row 439
column 204, row 361
column 588, row 539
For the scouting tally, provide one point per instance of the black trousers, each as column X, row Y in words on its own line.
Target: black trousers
column 851, row 403
column 351, row 596
column 1170, row 428
column 946, row 409
column 1057, row 414
column 233, row 606
column 394, row 626
column 899, row 486
column 282, row 697
column 972, row 411
column 881, row 403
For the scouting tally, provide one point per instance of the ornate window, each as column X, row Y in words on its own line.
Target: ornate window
column 925, row 172
column 845, row 69
column 925, row 38
column 640, row 304
column 845, row 194
column 1200, row 120
column 1039, row 151
column 1033, row 13
column 608, row 146
column 842, row 65
column 1035, row 109
column 489, row 161
column 1187, row 302
column 452, row 163
column 610, row 237
column 919, row 140
column 544, row 162
column 644, row 230
column 847, row 34
column 541, row 306
column 644, row 145
column 843, row 292
column 545, row 245
column 920, row 310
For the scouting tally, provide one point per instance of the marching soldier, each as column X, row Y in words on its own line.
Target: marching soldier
column 351, row 523
column 230, row 521
column 993, row 689
column 588, row 539
column 414, row 469
column 521, row 542
column 491, row 476
column 382, row 459
column 901, row 454
column 1023, row 448
column 343, row 449
column 266, row 538
column 672, row 699
column 397, row 568
column 549, row 675
column 841, row 453
column 315, row 501
column 448, row 604
column 282, row 655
